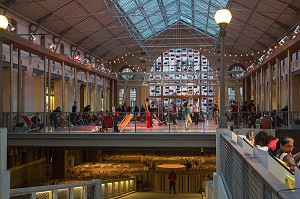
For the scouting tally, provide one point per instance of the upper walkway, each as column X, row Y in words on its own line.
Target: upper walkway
column 134, row 135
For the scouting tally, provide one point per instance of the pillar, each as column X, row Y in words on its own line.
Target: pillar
column 278, row 80
column 270, row 82
column 289, row 87
column 4, row 174
column 63, row 86
column 19, row 101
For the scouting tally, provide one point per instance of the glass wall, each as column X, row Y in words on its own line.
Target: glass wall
column 179, row 78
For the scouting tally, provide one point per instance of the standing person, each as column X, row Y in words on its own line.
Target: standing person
column 235, row 109
column 172, row 177
column 196, row 112
column 113, row 109
column 216, row 112
column 285, row 115
column 244, row 111
column 148, row 116
column 252, row 110
column 124, row 108
column 74, row 115
column 174, row 113
column 188, row 119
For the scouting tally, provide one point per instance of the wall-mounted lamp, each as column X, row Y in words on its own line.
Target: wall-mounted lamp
column 52, row 46
column 10, row 27
column 32, row 37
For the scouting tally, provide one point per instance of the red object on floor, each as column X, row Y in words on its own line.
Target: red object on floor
column 108, row 121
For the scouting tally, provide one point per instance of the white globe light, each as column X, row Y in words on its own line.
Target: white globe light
column 223, row 16
column 3, row 22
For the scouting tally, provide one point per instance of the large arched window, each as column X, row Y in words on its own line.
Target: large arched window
column 176, row 77
column 239, row 71
column 127, row 76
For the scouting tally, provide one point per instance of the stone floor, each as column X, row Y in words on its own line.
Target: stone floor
column 152, row 195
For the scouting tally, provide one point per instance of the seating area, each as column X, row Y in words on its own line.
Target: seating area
column 274, row 165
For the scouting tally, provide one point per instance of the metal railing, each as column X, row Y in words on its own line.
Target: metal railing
column 94, row 189
column 96, row 122
column 168, row 121
column 244, row 177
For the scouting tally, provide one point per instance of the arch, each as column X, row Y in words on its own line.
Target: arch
column 235, row 65
column 126, row 68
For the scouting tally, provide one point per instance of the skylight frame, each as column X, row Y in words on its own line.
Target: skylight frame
column 187, row 11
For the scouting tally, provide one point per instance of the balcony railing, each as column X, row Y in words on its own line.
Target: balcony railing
column 164, row 122
column 94, row 189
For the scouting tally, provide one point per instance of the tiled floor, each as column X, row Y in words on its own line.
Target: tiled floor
column 150, row 195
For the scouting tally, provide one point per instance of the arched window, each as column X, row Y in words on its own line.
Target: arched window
column 239, row 71
column 127, row 76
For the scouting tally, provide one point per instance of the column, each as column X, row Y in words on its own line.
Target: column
column 289, row 84
column 270, row 82
column 75, row 86
column 112, row 91
column 95, row 93
column 19, row 101
column 244, row 89
column 49, row 90
column 256, row 90
column 63, row 86
column 101, row 98
column 261, row 90
column 1, row 76
column 104, row 94
column 11, row 79
column 278, row 80
column 86, row 101
column 45, row 91
column 4, row 175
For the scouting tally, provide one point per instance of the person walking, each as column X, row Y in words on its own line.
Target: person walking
column 172, row 177
column 216, row 112
column 188, row 119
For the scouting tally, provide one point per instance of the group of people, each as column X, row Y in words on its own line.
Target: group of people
column 281, row 148
column 248, row 112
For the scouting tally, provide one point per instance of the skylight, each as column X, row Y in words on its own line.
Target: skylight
column 148, row 18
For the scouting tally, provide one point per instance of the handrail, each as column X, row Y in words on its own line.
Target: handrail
column 98, row 189
column 283, row 164
column 29, row 190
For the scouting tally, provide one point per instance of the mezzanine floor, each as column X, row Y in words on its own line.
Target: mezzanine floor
column 133, row 135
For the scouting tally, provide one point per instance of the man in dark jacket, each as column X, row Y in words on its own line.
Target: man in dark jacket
column 172, row 177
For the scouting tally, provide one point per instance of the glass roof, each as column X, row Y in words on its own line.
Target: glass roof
column 148, row 18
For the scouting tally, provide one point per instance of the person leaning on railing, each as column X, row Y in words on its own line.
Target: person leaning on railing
column 285, row 153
